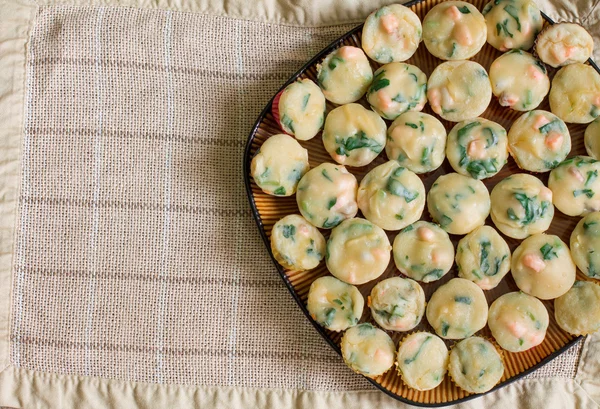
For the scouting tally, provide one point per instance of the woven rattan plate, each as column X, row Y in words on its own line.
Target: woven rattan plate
column 269, row 209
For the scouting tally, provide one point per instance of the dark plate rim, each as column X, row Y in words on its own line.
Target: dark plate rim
column 246, row 170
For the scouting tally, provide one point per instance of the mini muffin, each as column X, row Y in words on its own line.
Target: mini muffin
column 344, row 75
column 483, row 257
column 591, row 139
column 327, row 195
column 334, row 304
column 296, row 244
column 458, row 203
column 519, row 80
column 397, row 88
column 357, row 251
column 477, row 148
column 575, row 186
column 512, row 23
column 353, row 135
column 542, row 266
column 417, row 141
column 391, row 34
column 278, row 165
column 457, row 309
column 538, row 141
column 454, row 30
column 578, row 311
column 521, row 206
column 300, row 109
column 585, row 245
column 575, row 94
column 475, row 365
column 423, row 251
column 459, row 90
column 518, row 321
column 367, row 350
column 564, row 43
column 422, row 360
column 397, row 304
column 391, row 196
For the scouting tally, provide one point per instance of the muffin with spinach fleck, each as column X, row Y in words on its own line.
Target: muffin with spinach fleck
column 519, row 80
column 279, row 164
column 423, row 251
column 422, row 360
column 477, row 148
column 454, row 30
column 575, row 94
column 578, row 311
column 563, row 44
column 296, row 244
column 475, row 365
column 538, row 141
column 334, row 304
column 542, row 266
column 327, row 195
column 483, row 257
column 353, row 135
column 417, row 141
column 397, row 88
column 518, row 321
column 357, row 251
column 397, row 304
column 521, row 206
column 585, row 245
column 459, row 90
column 391, row 33
column 592, row 139
column 575, row 186
column 512, row 24
column 457, row 309
column 458, row 203
column 368, row 350
column 344, row 75
column 300, row 109
column 391, row 196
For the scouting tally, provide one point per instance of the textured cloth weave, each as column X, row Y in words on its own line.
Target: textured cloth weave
column 136, row 256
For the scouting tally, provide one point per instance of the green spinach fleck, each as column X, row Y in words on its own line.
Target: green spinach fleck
column 334, row 62
column 287, row 122
column 358, row 141
column 502, row 28
column 326, row 175
column 398, row 189
column 328, row 224
column 588, row 192
column 408, row 361
column 548, row 252
column 288, row 231
column 514, row 13
column 464, row 131
column 379, row 82
column 305, row 101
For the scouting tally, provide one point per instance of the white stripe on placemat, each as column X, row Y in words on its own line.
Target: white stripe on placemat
column 160, row 326
column 93, row 250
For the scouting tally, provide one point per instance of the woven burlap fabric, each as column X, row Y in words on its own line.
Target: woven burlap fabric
column 136, row 256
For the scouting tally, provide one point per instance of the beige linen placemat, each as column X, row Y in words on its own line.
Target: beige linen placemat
column 131, row 271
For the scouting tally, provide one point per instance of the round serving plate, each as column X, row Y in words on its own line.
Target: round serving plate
column 269, row 209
